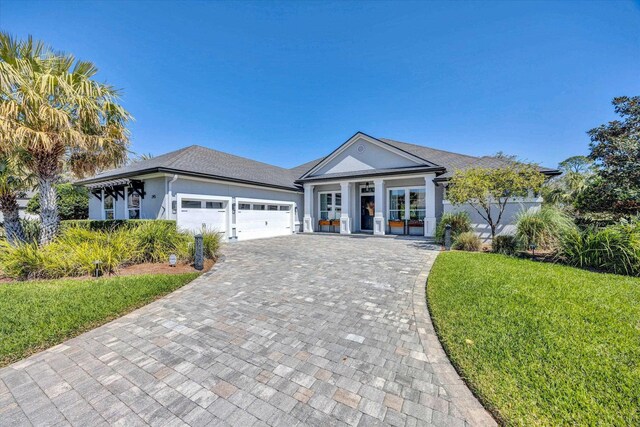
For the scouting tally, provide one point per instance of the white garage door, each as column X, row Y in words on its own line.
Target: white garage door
column 264, row 218
column 196, row 213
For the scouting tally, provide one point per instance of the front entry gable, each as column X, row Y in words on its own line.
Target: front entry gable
column 362, row 153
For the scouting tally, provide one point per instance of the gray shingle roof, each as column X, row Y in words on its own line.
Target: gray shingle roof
column 207, row 162
column 202, row 161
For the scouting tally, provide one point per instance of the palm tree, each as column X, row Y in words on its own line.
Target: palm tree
column 53, row 112
column 11, row 184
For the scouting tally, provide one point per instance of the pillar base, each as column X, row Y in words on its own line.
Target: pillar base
column 429, row 227
column 379, row 227
column 307, row 226
column 345, row 225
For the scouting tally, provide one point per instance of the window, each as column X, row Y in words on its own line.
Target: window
column 191, row 204
column 272, row 207
column 213, row 205
column 284, row 208
column 244, row 206
column 396, row 205
column 330, row 205
column 400, row 208
column 258, row 207
column 133, row 206
column 109, row 205
column 417, row 204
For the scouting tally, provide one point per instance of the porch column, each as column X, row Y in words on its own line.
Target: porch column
column 430, row 208
column 378, row 221
column 345, row 216
column 307, row 225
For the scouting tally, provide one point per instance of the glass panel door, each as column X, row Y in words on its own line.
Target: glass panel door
column 396, row 205
column 417, row 204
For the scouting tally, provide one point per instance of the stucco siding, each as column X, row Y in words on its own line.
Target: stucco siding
column 363, row 155
column 507, row 223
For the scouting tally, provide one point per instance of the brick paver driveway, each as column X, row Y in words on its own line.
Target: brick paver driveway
column 307, row 329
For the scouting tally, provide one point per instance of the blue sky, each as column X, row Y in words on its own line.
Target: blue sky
column 287, row 82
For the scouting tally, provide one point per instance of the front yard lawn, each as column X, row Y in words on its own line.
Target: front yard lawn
column 540, row 344
column 37, row 315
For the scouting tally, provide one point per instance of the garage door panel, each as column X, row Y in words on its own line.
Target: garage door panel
column 196, row 214
column 256, row 220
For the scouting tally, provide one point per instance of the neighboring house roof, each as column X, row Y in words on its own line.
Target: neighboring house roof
column 206, row 162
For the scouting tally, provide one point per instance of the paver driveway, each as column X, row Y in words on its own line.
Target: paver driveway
column 307, row 329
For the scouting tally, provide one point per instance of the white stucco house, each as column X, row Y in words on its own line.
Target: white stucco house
column 366, row 185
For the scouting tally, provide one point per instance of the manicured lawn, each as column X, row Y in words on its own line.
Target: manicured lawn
column 541, row 344
column 37, row 315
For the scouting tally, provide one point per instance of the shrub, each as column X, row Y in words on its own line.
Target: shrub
column 210, row 243
column 22, row 262
column 543, row 228
column 505, row 244
column 467, row 241
column 73, row 202
column 615, row 249
column 110, row 224
column 459, row 221
column 156, row 240
column 75, row 250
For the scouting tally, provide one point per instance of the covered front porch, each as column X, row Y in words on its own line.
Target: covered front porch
column 380, row 205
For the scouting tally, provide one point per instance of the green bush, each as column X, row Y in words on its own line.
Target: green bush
column 467, row 241
column 77, row 248
column 110, row 224
column 73, row 202
column 505, row 244
column 543, row 228
column 21, row 262
column 614, row 249
column 459, row 221
column 156, row 240
column 210, row 243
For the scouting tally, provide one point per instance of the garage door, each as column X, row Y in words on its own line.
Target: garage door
column 196, row 213
column 264, row 218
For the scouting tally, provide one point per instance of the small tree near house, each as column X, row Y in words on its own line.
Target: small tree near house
column 488, row 190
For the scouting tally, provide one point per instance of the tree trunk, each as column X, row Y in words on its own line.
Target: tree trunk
column 493, row 232
column 11, row 218
column 49, row 219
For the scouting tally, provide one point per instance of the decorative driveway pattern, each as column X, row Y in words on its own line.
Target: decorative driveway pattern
column 299, row 330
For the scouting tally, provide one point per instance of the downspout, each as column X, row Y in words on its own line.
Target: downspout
column 170, row 196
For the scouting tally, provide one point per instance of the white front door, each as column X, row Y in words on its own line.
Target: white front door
column 263, row 218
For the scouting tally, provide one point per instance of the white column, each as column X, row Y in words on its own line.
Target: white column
column 308, row 222
column 345, row 217
column 379, row 226
column 430, row 211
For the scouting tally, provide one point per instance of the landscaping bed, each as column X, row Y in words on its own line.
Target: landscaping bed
column 540, row 344
column 36, row 315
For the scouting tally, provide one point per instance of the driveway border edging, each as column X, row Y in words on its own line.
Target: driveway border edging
column 454, row 388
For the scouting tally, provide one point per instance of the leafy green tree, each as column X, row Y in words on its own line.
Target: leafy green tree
column 615, row 149
column 73, row 202
column 488, row 190
column 53, row 112
column 565, row 189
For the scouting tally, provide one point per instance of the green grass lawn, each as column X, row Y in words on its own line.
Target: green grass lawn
column 541, row 344
column 37, row 315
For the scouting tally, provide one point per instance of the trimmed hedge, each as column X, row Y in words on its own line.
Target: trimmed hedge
column 110, row 224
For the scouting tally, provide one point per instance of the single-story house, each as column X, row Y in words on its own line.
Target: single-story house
column 366, row 185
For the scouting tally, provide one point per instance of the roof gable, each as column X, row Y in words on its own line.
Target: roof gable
column 363, row 153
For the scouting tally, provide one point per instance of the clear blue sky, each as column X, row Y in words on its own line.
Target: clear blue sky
column 288, row 82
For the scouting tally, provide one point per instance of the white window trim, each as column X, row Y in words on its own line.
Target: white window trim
column 126, row 204
column 407, row 203
column 104, row 213
column 332, row 205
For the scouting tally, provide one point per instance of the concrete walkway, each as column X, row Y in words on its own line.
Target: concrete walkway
column 300, row 330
